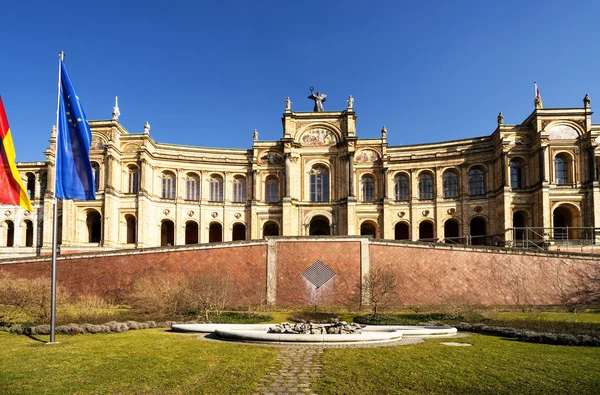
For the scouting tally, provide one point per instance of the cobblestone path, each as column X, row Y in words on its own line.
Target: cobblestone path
column 293, row 370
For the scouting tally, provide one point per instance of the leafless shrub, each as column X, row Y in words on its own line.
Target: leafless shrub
column 31, row 295
column 379, row 289
column 198, row 295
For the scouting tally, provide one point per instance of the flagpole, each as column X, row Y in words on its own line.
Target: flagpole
column 61, row 56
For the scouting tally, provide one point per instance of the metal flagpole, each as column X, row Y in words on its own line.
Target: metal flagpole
column 61, row 56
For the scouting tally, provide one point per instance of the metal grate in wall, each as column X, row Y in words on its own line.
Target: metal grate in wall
column 318, row 274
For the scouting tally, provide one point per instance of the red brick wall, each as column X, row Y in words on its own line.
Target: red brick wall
column 293, row 257
column 427, row 275
column 431, row 275
column 113, row 275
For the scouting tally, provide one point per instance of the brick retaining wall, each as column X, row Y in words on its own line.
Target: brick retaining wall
column 270, row 270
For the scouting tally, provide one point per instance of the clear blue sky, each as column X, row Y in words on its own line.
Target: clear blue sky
column 207, row 73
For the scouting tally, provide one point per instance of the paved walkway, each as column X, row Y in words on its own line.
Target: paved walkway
column 293, row 370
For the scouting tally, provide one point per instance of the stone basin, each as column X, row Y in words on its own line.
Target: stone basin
column 370, row 333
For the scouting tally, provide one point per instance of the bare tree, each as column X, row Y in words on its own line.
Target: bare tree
column 379, row 289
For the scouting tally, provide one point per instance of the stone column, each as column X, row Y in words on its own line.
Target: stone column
column 351, row 174
column 503, row 166
column 287, row 174
column 543, row 164
column 592, row 164
column 255, row 185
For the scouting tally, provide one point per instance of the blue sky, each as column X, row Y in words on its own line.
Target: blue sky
column 208, row 73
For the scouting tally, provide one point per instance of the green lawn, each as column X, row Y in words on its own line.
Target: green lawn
column 588, row 318
column 492, row 365
column 156, row 361
column 146, row 361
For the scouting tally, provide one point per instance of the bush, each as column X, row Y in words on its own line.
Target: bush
column 31, row 295
column 566, row 339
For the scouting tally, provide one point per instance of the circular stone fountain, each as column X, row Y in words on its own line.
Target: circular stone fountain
column 264, row 333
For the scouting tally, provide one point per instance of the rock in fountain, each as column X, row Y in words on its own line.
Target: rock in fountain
column 308, row 328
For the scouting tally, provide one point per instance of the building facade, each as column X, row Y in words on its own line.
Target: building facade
column 320, row 178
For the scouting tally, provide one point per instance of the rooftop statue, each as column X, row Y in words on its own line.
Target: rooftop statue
column 318, row 98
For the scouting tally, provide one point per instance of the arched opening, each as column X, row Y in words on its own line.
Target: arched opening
column 215, row 233
column 562, row 169
column 368, row 228
column 94, row 226
column 191, row 233
column 59, row 228
column 31, row 186
column 10, row 234
column 451, row 231
column 426, row 231
column 43, row 184
column 563, row 219
column 28, row 234
column 476, row 181
column 319, row 226
column 131, row 229
column 450, row 184
column 271, row 229
column 519, row 224
column 401, row 231
column 40, row 233
column 478, row 231
column 167, row 234
column 238, row 232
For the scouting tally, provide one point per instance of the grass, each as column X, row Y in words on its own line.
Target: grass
column 492, row 365
column 147, row 361
column 589, row 318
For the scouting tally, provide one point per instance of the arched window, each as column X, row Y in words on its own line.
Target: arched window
column 516, row 174
column 271, row 190
column 561, row 169
column 216, row 188
column 476, row 182
column 192, row 187
column 96, row 169
column 400, row 188
column 319, row 184
column 367, row 187
column 169, row 185
column 239, row 190
column 134, row 177
column 450, row 184
column 425, row 186
column 31, row 185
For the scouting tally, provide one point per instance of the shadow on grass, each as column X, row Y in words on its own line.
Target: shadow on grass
column 32, row 337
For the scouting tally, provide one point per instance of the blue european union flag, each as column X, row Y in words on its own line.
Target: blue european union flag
column 74, row 173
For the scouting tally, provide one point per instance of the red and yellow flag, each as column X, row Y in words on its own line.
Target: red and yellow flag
column 12, row 190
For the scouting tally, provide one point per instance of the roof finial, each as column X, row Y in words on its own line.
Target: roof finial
column 350, row 102
column 255, row 135
column 288, row 104
column 586, row 101
column 383, row 131
column 53, row 131
column 147, row 128
column 500, row 119
column 116, row 113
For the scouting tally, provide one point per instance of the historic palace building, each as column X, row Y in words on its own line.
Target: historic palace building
column 534, row 181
